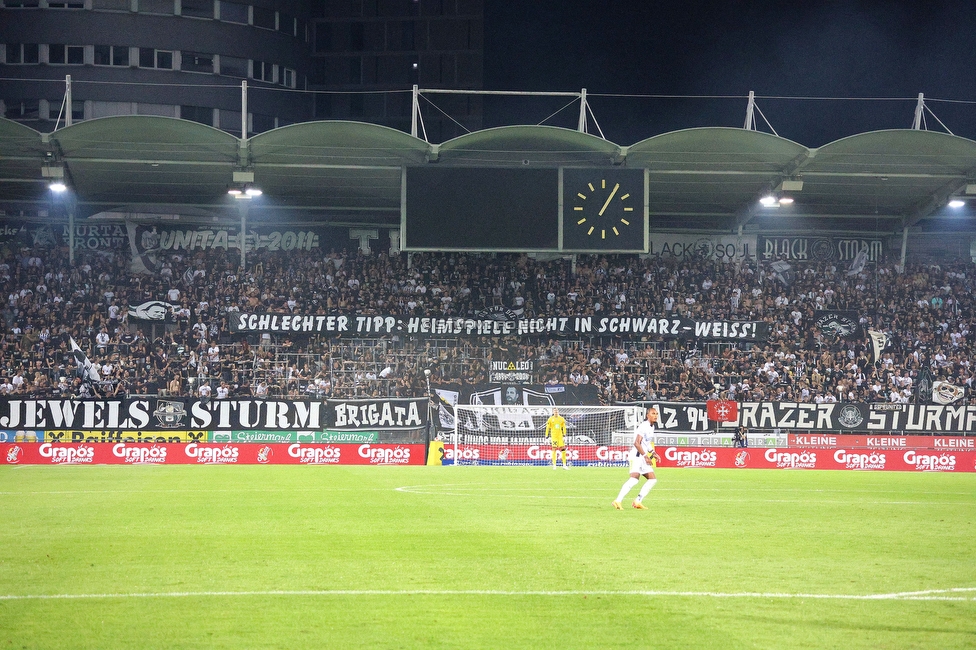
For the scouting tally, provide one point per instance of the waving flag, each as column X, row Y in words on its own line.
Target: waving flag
column 722, row 410
column 89, row 372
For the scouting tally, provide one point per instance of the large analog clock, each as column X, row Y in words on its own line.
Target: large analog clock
column 603, row 210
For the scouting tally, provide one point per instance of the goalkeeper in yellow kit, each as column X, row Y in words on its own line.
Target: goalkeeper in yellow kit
column 556, row 432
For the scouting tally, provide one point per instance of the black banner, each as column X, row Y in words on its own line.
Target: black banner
column 373, row 414
column 838, row 324
column 818, row 249
column 182, row 414
column 954, row 419
column 362, row 326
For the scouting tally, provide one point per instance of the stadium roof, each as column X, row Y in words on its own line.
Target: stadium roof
column 702, row 179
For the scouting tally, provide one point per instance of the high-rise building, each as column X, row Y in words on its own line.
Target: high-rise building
column 178, row 58
column 367, row 54
column 187, row 59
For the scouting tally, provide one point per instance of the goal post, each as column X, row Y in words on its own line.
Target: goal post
column 516, row 434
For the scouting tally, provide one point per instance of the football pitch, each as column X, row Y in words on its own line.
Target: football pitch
column 483, row 557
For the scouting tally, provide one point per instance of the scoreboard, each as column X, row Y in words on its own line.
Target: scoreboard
column 512, row 209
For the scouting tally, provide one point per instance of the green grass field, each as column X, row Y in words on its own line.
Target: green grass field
column 492, row 557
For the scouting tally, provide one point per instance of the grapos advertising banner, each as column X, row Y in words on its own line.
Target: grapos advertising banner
column 566, row 325
column 121, row 453
column 703, row 457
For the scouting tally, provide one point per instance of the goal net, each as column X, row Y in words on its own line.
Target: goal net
column 516, row 435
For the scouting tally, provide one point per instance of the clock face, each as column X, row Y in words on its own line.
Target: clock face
column 603, row 209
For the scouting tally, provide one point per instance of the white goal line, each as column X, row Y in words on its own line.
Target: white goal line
column 954, row 594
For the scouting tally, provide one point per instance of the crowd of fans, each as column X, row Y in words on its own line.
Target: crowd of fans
column 925, row 308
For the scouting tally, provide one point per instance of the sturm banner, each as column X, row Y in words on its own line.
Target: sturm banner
column 169, row 420
column 628, row 327
column 930, row 419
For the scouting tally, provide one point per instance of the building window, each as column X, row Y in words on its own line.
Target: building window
column 264, row 18
column 22, row 52
column 232, row 12
column 323, row 37
column 263, row 71
column 26, row 109
column 197, row 62
column 164, row 7
column 287, row 77
column 357, row 37
column 112, row 55
column 286, row 23
column 150, row 58
column 261, row 123
column 21, row 4
column 66, row 54
column 233, row 66
column 66, row 5
column 201, row 114
column 111, row 5
column 198, row 8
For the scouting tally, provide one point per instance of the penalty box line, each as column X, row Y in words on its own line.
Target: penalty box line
column 931, row 594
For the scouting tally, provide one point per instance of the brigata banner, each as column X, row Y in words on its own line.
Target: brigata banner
column 362, row 326
column 122, row 453
column 372, row 414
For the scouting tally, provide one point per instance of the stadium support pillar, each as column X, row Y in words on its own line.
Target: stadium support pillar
column 243, row 240
column 904, row 246
column 71, row 235
column 67, row 100
column 414, row 110
column 750, row 124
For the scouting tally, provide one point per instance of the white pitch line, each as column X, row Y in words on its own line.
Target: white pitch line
column 911, row 595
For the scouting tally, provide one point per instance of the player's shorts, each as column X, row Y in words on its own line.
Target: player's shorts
column 557, row 443
column 639, row 464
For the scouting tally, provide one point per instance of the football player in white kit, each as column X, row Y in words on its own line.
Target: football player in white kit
column 641, row 456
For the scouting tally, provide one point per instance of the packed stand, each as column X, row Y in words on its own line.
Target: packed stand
column 926, row 310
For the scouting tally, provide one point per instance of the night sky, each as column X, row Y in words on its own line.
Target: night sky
column 793, row 49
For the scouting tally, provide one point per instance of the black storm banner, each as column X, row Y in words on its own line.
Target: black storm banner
column 818, row 249
column 555, row 326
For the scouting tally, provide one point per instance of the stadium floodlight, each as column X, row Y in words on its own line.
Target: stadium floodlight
column 235, row 192
column 785, row 200
column 252, row 192
column 956, row 203
column 57, row 187
column 769, row 202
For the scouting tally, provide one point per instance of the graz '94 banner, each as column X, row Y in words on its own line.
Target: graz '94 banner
column 929, row 419
column 362, row 326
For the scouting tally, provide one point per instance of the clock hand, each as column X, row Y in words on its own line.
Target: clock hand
column 604, row 208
